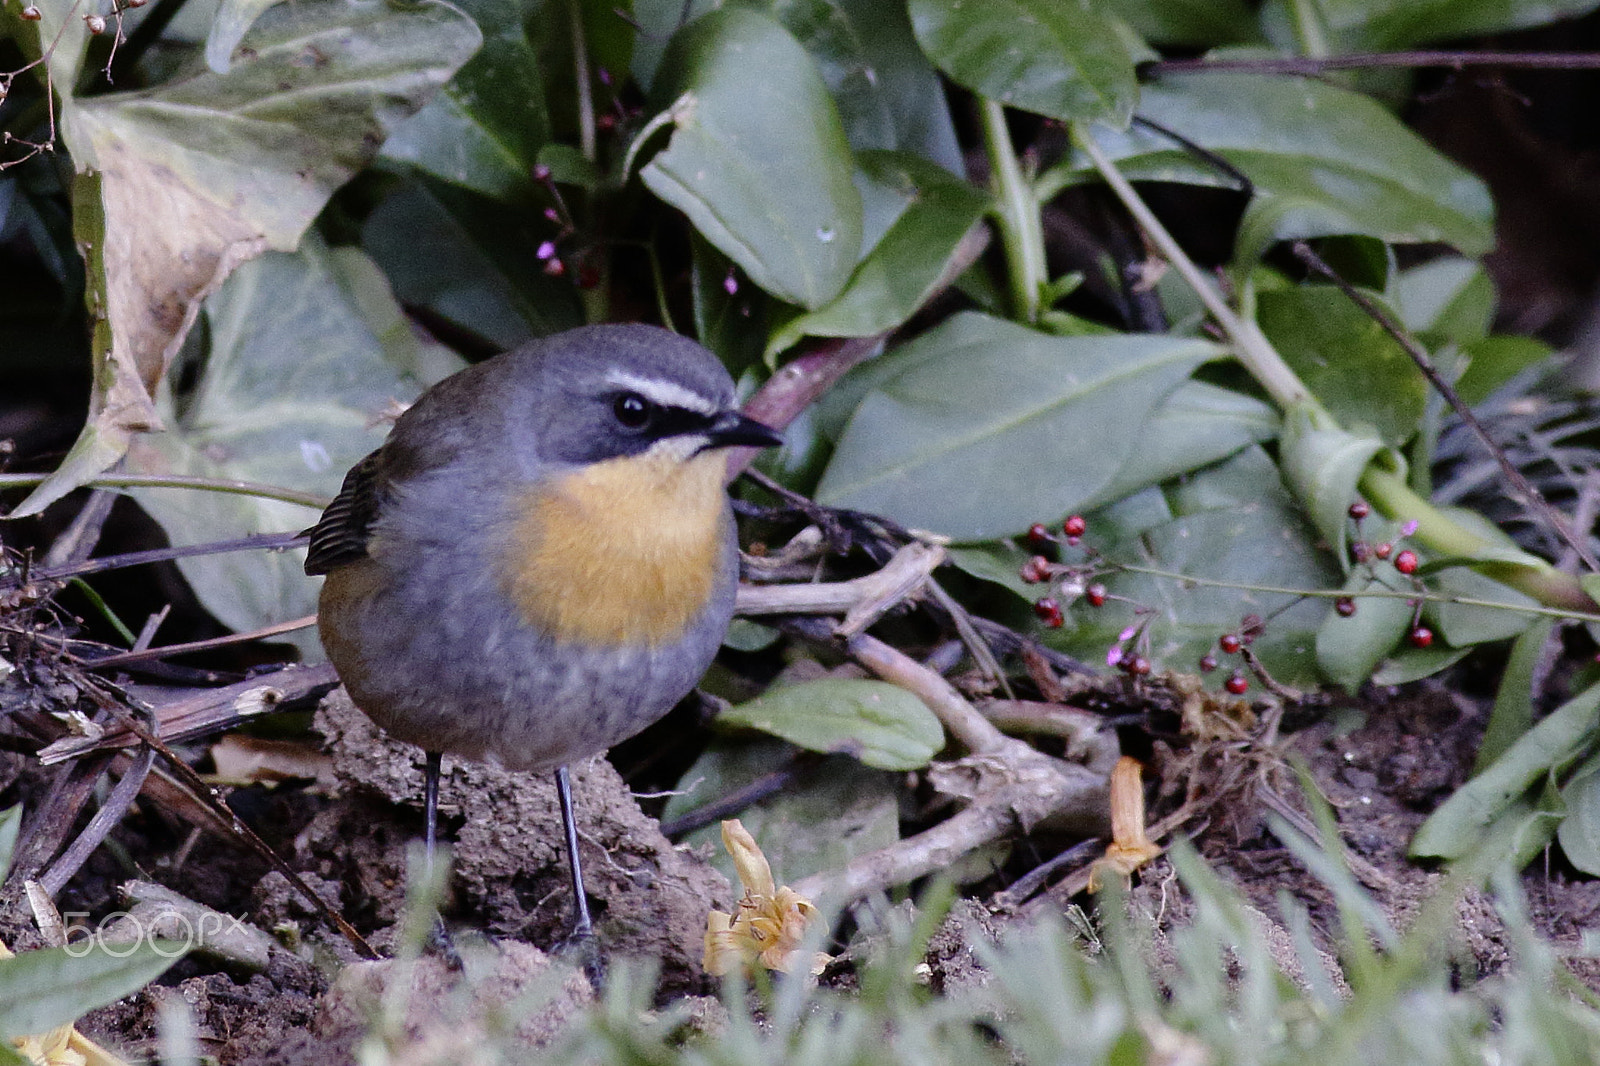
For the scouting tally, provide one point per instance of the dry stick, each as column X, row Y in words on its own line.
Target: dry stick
column 105, row 819
column 257, row 541
column 1419, row 355
column 94, row 688
column 1356, row 60
column 265, row 632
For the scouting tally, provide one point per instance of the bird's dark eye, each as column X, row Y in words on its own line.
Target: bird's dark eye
column 633, row 410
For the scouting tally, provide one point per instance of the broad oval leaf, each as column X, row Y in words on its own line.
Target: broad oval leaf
column 1350, row 648
column 1323, row 160
column 40, row 990
column 904, row 267
column 1064, row 60
column 881, row 724
column 1580, row 829
column 1348, row 361
column 981, row 426
column 758, row 158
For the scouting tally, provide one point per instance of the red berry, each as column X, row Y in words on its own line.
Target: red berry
column 31, row 13
column 1345, row 606
column 1039, row 536
column 1359, row 510
column 1035, row 569
column 1382, row 551
column 1230, row 643
column 1360, row 551
column 1420, row 636
column 1095, row 594
column 1208, row 663
column 1138, row 666
column 1238, row 684
column 1074, row 526
column 1049, row 612
column 1406, row 562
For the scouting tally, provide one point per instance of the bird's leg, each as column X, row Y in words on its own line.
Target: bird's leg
column 440, row 939
column 582, row 927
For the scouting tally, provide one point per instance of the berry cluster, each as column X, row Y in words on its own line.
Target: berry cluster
column 1068, row 579
column 1251, row 626
column 1404, row 561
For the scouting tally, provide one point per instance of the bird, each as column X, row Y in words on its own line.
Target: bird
column 540, row 560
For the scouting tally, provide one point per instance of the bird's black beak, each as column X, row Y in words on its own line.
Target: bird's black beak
column 731, row 429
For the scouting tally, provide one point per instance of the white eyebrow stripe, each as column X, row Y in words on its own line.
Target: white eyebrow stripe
column 666, row 393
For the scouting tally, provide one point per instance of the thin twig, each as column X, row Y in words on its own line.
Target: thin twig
column 1419, row 355
column 277, row 629
column 254, row 542
column 119, row 703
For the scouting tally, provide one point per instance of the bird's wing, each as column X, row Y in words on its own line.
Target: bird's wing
column 340, row 536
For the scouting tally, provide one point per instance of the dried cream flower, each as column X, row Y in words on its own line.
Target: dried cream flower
column 770, row 922
column 1130, row 847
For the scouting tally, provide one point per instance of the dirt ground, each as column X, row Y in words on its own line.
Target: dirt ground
column 1383, row 765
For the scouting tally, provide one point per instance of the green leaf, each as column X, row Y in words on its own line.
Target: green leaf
column 1513, row 699
column 1451, row 296
column 228, row 27
column 1580, row 829
column 1062, row 60
column 895, row 279
column 207, row 170
column 888, row 94
column 485, row 130
column 307, row 350
column 1197, row 425
column 10, row 826
column 1323, row 160
column 1382, row 25
column 1232, row 523
column 1457, row 826
column 1323, row 463
column 758, row 158
column 1349, row 649
column 478, row 274
column 828, row 815
column 881, row 724
column 980, row 426
column 40, row 990
column 1495, row 360
column 1462, row 624
column 1349, row 362
column 1191, row 23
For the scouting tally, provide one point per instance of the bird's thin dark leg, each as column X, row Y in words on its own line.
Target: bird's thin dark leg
column 582, row 939
column 430, row 806
column 442, row 942
column 581, row 925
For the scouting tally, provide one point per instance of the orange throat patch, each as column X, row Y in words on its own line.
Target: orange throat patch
column 622, row 552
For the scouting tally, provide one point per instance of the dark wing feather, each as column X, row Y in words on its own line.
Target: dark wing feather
column 340, row 537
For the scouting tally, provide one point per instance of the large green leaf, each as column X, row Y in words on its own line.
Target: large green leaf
column 185, row 181
column 1350, row 648
column 307, row 350
column 478, row 274
column 1193, row 23
column 897, row 276
column 758, row 158
column 1580, row 829
column 484, row 131
column 881, row 724
column 40, row 990
column 980, row 426
column 1457, row 827
column 1323, row 160
column 1063, row 60
column 1381, row 25
column 1341, row 353
column 1234, row 524
column 888, row 94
